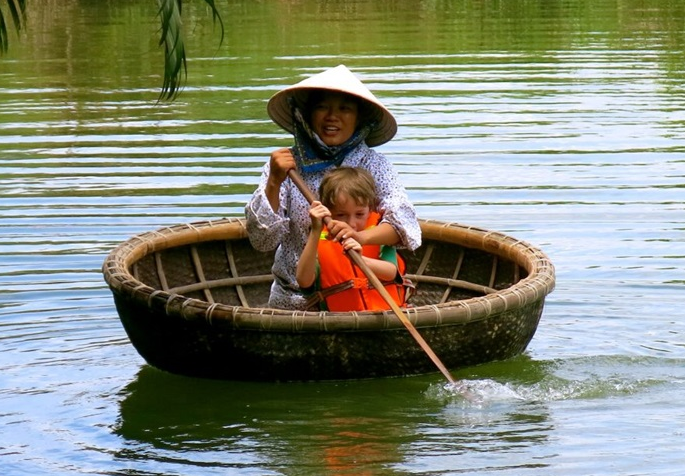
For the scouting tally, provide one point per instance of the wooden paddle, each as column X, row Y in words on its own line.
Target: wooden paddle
column 373, row 279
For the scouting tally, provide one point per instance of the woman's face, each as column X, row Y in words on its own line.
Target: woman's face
column 334, row 118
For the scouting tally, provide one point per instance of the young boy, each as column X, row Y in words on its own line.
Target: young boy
column 325, row 273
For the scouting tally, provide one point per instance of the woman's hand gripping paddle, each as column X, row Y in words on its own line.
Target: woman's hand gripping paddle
column 373, row 279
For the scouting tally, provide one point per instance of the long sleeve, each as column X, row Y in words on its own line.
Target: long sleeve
column 264, row 226
column 394, row 202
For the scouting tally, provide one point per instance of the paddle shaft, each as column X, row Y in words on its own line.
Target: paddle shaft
column 376, row 283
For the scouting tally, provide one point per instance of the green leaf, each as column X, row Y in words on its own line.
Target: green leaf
column 17, row 10
column 175, row 64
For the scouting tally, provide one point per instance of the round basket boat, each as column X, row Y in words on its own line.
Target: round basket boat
column 192, row 299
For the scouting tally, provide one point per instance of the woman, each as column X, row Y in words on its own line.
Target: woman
column 335, row 120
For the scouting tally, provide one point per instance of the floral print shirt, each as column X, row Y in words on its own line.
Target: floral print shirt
column 287, row 230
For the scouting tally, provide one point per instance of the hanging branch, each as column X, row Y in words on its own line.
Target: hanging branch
column 175, row 65
column 174, row 49
column 17, row 10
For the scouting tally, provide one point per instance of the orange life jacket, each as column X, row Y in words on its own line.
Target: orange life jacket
column 351, row 289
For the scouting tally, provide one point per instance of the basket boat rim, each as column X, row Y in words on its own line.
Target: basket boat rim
column 530, row 290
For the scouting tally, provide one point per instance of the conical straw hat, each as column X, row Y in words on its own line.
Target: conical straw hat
column 338, row 79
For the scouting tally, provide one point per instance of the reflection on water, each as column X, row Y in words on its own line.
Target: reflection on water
column 558, row 122
column 331, row 425
column 379, row 423
column 325, row 425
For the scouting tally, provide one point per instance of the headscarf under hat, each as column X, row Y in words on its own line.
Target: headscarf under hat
column 339, row 80
column 312, row 153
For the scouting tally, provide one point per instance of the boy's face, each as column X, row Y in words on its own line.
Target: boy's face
column 350, row 212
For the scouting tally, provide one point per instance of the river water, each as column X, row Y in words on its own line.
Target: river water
column 558, row 122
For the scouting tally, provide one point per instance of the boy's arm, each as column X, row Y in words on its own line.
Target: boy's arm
column 384, row 270
column 306, row 266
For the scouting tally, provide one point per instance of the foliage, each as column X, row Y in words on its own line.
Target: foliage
column 175, row 66
column 16, row 10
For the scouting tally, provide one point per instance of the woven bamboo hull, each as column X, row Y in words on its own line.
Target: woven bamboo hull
column 192, row 297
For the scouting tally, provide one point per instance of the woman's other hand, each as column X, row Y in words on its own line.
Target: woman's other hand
column 340, row 230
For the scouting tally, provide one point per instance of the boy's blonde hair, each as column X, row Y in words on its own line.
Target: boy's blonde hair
column 353, row 182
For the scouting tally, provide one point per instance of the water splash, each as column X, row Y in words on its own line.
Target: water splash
column 479, row 392
column 595, row 377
